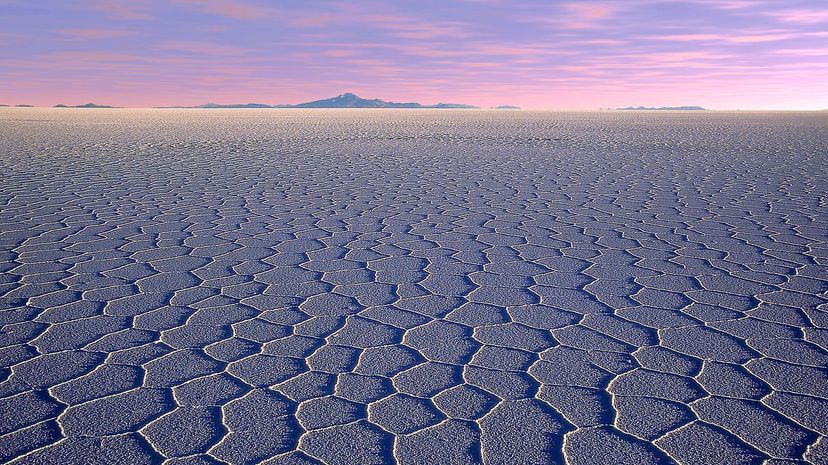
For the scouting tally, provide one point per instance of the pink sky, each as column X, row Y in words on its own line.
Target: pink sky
column 721, row 54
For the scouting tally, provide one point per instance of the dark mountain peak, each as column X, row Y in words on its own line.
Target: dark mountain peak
column 351, row 100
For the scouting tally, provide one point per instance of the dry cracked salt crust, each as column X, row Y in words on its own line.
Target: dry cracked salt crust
column 419, row 287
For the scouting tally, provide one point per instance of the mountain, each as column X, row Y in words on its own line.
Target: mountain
column 506, row 107
column 349, row 100
column 346, row 100
column 85, row 105
column 691, row 108
column 24, row 106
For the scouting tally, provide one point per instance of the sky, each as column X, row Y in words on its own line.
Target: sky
column 720, row 54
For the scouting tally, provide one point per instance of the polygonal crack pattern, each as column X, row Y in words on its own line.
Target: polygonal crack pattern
column 374, row 287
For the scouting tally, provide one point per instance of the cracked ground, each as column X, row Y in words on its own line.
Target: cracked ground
column 413, row 287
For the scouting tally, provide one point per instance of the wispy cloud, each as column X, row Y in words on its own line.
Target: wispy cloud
column 315, row 20
column 585, row 15
column 94, row 33
column 409, row 27
column 123, row 9
column 801, row 16
column 228, row 8
column 803, row 52
column 730, row 4
column 341, row 53
column 741, row 37
column 574, row 15
column 689, row 37
column 201, row 48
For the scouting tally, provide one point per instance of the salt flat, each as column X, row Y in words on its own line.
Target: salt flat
column 420, row 287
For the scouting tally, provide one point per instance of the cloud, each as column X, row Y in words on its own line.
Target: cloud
column 803, row 52
column 576, row 15
column 94, row 33
column 602, row 42
column 342, row 53
column 801, row 16
column 689, row 37
column 744, row 37
column 201, row 48
column 585, row 15
column 758, row 38
column 414, row 29
column 234, row 9
column 123, row 9
column 730, row 4
column 323, row 19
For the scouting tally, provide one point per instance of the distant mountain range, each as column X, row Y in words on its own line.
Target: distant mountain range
column 85, row 105
column 693, row 108
column 506, row 107
column 347, row 100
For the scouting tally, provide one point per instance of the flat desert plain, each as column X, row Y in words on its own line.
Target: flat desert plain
column 413, row 287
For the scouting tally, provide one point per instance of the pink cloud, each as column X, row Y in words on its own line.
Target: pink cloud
column 228, row 8
column 687, row 55
column 588, row 11
column 411, row 28
column 84, row 56
column 758, row 38
column 730, row 4
column 316, row 20
column 803, row 52
column 585, row 15
column 338, row 53
column 573, row 16
column 123, row 9
column 742, row 38
column 801, row 16
column 603, row 42
column 201, row 48
column 689, row 37
column 94, row 33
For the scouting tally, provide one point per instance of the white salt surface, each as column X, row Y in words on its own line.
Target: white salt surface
column 419, row 287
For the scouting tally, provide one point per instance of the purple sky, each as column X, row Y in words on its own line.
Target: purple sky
column 722, row 54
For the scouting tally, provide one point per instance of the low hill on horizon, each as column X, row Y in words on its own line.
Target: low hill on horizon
column 684, row 108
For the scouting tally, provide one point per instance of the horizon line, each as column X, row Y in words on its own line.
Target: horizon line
column 556, row 109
